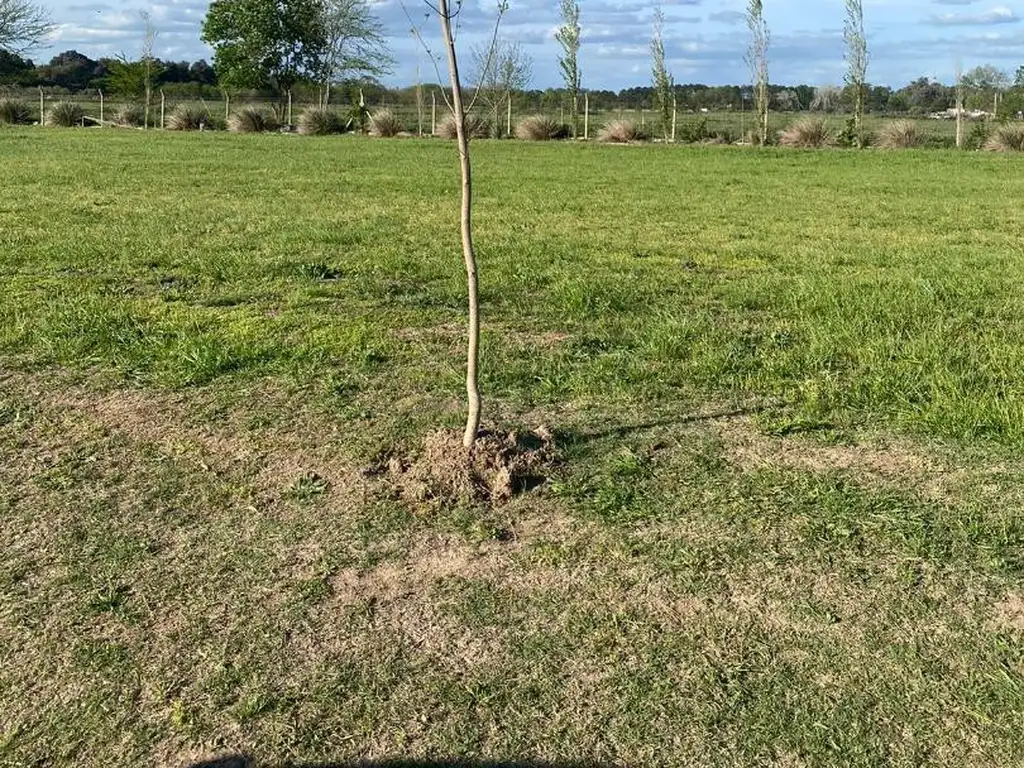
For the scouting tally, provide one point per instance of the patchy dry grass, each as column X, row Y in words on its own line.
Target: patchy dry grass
column 783, row 528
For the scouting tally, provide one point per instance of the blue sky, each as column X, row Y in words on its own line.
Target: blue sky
column 705, row 39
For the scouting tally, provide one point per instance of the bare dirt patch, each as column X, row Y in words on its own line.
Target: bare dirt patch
column 498, row 466
column 1009, row 613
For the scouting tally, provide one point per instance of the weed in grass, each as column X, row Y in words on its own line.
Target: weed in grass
column 308, row 487
column 318, row 270
column 110, row 598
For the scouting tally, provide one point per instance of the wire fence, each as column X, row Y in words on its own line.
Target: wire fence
column 426, row 117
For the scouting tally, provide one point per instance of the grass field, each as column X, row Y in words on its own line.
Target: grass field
column 787, row 390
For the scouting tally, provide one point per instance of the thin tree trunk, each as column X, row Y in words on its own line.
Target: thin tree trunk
column 586, row 116
column 473, row 353
column 959, row 108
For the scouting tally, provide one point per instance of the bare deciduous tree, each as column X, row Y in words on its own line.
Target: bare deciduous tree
column 985, row 85
column 826, row 98
column 663, row 84
column 149, row 65
column 23, row 25
column 959, row 106
column 355, row 43
column 568, row 36
column 499, row 70
column 757, row 60
column 856, row 61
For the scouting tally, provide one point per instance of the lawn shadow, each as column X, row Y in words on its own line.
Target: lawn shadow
column 242, row 761
column 583, row 437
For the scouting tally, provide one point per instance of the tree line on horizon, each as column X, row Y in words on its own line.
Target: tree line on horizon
column 73, row 72
column 325, row 46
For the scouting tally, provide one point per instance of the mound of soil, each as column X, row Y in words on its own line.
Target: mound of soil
column 498, row 466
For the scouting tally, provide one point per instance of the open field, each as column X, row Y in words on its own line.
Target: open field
column 788, row 396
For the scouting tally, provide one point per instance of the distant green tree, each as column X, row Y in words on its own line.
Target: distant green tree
column 125, row 78
column 265, row 43
column 13, row 68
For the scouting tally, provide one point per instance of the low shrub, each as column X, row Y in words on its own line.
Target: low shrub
column 900, row 134
column 64, row 114
column 187, row 117
column 541, row 128
column 320, row 122
column 808, row 133
column 693, row 131
column 622, row 132
column 1006, row 138
column 251, row 120
column 978, row 136
column 130, row 116
column 385, row 124
column 14, row 112
column 476, row 127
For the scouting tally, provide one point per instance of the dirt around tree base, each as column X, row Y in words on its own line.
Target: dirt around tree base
column 497, row 467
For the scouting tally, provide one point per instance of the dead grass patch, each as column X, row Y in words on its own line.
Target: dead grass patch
column 1009, row 613
column 274, row 459
column 751, row 450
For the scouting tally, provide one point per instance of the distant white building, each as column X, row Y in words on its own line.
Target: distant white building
column 969, row 114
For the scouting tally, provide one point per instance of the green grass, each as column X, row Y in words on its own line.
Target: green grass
column 786, row 388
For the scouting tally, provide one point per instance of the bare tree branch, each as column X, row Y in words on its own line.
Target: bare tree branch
column 24, row 25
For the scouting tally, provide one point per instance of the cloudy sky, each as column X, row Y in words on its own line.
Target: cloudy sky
column 705, row 39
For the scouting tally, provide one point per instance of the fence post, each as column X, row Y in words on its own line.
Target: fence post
column 163, row 104
column 100, row 92
column 433, row 113
column 675, row 114
column 586, row 116
column 42, row 107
